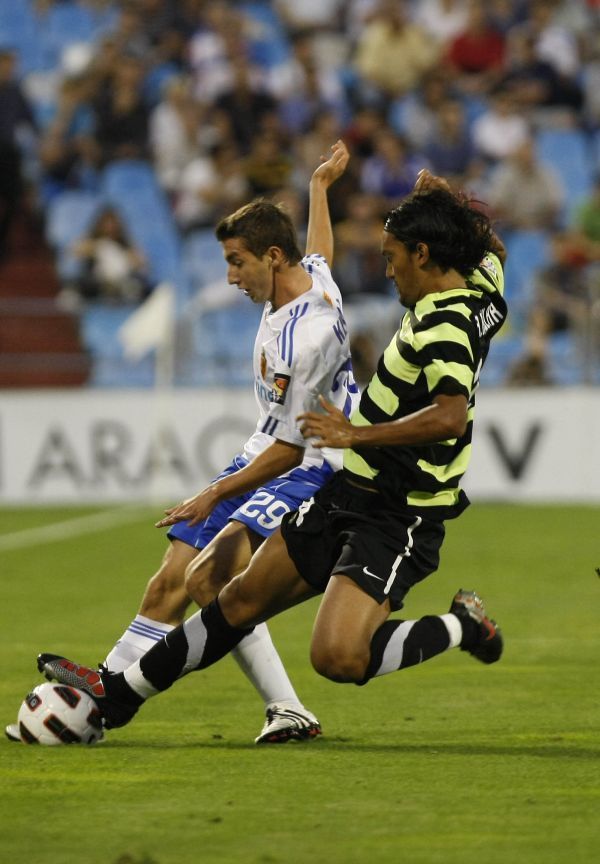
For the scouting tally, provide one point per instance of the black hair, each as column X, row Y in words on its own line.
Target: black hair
column 456, row 233
column 261, row 225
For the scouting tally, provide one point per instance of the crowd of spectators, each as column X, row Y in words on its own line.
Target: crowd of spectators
column 229, row 100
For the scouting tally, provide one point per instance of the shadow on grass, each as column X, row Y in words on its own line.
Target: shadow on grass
column 544, row 751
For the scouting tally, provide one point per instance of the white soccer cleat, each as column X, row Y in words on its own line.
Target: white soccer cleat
column 12, row 732
column 288, row 721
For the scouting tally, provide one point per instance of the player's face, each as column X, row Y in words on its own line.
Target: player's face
column 402, row 267
column 252, row 275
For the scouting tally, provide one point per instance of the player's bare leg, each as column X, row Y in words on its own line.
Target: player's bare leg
column 353, row 642
column 227, row 555
column 163, row 606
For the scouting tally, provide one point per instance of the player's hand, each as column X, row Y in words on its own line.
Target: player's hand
column 331, row 429
column 426, row 181
column 333, row 166
column 193, row 510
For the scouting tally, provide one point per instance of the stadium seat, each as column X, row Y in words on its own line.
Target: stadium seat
column 100, row 324
column 268, row 42
column 527, row 252
column 68, row 217
column 565, row 363
column 131, row 186
column 570, row 153
column 203, row 260
column 504, row 351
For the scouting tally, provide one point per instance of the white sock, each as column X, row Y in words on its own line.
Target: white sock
column 139, row 637
column 138, row 683
column 257, row 657
column 454, row 628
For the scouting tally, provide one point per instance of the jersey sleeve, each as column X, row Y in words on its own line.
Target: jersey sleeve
column 489, row 276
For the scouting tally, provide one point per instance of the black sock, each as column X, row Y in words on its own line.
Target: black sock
column 199, row 642
column 416, row 642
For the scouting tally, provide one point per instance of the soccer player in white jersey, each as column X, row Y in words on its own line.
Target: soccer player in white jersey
column 301, row 350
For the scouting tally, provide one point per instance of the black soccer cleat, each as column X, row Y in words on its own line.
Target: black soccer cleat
column 484, row 642
column 115, row 712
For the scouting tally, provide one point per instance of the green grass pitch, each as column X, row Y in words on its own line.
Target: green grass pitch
column 452, row 762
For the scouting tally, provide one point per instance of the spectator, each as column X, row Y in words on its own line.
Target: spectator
column 219, row 38
column 393, row 53
column 562, row 303
column 174, row 130
column 246, row 102
column 536, row 86
column 306, row 87
column 111, row 267
column 358, row 248
column 450, row 149
column 68, row 153
column 475, row 57
column 391, row 172
column 500, row 129
column 416, row 115
column 268, row 166
column 121, row 115
column 443, row 20
column 525, row 193
column 210, row 186
column 15, row 112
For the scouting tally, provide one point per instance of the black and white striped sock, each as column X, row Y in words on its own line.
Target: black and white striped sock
column 400, row 644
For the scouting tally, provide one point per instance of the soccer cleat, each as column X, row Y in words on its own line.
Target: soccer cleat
column 115, row 712
column 12, row 732
column 288, row 721
column 487, row 643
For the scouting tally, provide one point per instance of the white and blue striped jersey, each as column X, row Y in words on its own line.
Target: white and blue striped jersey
column 302, row 351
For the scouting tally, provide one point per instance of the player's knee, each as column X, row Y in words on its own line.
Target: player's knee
column 165, row 598
column 199, row 584
column 338, row 663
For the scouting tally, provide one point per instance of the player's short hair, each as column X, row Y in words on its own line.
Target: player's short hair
column 458, row 235
column 261, row 224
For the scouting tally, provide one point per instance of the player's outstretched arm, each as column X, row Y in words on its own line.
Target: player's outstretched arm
column 319, row 237
column 278, row 458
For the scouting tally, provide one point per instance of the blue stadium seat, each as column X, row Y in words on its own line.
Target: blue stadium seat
column 131, row 186
column 565, row 363
column 68, row 217
column 203, row 260
column 570, row 153
column 100, row 324
column 504, row 351
column 527, row 252
column 268, row 42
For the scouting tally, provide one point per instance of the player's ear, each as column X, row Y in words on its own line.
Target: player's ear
column 276, row 256
column 422, row 250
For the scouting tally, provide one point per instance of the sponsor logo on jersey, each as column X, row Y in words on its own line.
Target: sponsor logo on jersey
column 280, row 385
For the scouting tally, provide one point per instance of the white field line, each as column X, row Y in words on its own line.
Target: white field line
column 70, row 528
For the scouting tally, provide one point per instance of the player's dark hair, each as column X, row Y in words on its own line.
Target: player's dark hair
column 261, row 224
column 457, row 234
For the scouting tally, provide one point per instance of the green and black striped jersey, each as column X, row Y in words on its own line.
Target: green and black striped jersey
column 439, row 349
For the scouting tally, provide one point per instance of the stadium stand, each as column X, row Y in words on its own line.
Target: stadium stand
column 54, row 39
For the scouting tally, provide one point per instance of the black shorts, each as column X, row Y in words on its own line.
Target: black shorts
column 344, row 529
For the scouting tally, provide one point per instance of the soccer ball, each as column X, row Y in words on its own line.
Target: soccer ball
column 58, row 714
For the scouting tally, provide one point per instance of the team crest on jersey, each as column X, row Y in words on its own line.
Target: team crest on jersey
column 489, row 265
column 280, row 385
column 263, row 364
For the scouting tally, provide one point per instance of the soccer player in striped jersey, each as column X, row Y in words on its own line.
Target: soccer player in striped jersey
column 301, row 350
column 376, row 528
